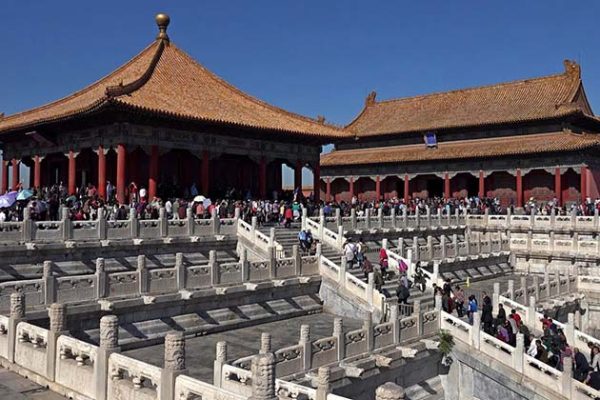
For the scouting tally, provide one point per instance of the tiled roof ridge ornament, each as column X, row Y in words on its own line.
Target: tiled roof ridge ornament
column 1, row 115
column 162, row 20
column 321, row 119
column 572, row 68
column 370, row 100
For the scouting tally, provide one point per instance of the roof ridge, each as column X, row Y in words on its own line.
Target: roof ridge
column 254, row 99
column 479, row 87
column 81, row 91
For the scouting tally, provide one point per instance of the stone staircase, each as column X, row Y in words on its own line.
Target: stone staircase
column 288, row 237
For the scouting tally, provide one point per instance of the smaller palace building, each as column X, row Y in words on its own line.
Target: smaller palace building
column 530, row 138
column 163, row 121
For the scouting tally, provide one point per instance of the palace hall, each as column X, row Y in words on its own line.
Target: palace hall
column 162, row 120
column 533, row 138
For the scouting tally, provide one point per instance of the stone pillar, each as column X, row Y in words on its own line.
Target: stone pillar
column 143, row 275
column 265, row 343
column 58, row 325
column 390, row 391
column 443, row 246
column 17, row 314
column 263, row 377
column 220, row 360
column 15, row 173
column 328, row 190
column 395, row 319
column 338, row 333
column 353, row 219
column 153, row 172
column 323, row 377
column 214, row 267
column 101, row 184
column 378, row 188
column 101, row 282
column 570, row 328
column 174, row 364
column 476, row 329
column 180, row 271
column 400, row 248
column 531, row 321
column 109, row 343
column 567, row 377
column 205, row 173
column 351, row 187
column 519, row 352
column 524, row 289
column 49, row 283
column 430, row 246
column 393, row 218
column 438, row 302
column 121, row 173
column 496, row 297
column 306, row 345
column 368, row 327
column 368, row 218
column 511, row 289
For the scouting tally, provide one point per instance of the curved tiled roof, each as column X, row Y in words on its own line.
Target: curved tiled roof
column 163, row 79
column 464, row 149
column 512, row 102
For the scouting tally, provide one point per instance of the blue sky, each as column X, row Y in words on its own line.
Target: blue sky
column 314, row 57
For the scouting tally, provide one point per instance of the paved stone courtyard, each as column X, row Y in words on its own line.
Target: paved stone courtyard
column 15, row 387
column 200, row 351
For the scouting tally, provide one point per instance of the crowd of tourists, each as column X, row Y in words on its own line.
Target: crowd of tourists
column 45, row 204
column 551, row 348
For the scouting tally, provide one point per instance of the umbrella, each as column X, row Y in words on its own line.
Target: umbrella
column 199, row 199
column 25, row 194
column 8, row 199
column 206, row 203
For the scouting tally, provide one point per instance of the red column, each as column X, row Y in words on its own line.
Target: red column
column 317, row 182
column 37, row 176
column 481, row 184
column 328, row 190
column 557, row 185
column 351, row 187
column 584, row 188
column 72, row 173
column 262, row 178
column 15, row 174
column 446, row 185
column 101, row 172
column 298, row 175
column 205, row 173
column 121, row 163
column 378, row 187
column 406, row 188
column 4, row 176
column 519, row 188
column 153, row 172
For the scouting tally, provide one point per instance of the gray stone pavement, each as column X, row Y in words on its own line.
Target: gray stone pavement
column 200, row 351
column 15, row 387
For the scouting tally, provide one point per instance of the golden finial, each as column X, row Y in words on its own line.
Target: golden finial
column 162, row 20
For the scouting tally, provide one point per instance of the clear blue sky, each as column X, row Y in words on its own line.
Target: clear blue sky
column 311, row 56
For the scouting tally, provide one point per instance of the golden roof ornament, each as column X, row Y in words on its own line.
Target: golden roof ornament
column 572, row 68
column 370, row 100
column 162, row 20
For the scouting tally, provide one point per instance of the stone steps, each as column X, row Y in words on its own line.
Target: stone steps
column 144, row 333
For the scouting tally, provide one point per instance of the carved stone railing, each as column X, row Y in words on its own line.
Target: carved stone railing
column 180, row 278
column 257, row 242
column 549, row 246
column 132, row 379
column 66, row 230
column 533, row 222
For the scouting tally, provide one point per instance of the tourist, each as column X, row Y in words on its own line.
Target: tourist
column 502, row 334
column 383, row 261
column 459, row 300
column 367, row 268
column 349, row 253
column 473, row 308
column 378, row 281
column 361, row 249
column 541, row 352
column 501, row 316
column 532, row 349
column 593, row 380
column 595, row 357
column 402, row 293
column 581, row 365
column 486, row 315
column 516, row 317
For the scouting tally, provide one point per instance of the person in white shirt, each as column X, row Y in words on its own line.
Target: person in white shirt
column 2, row 216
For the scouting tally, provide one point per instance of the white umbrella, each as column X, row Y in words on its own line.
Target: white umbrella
column 199, row 199
column 206, row 203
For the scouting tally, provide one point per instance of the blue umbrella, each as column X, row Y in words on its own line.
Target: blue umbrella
column 25, row 194
column 8, row 199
